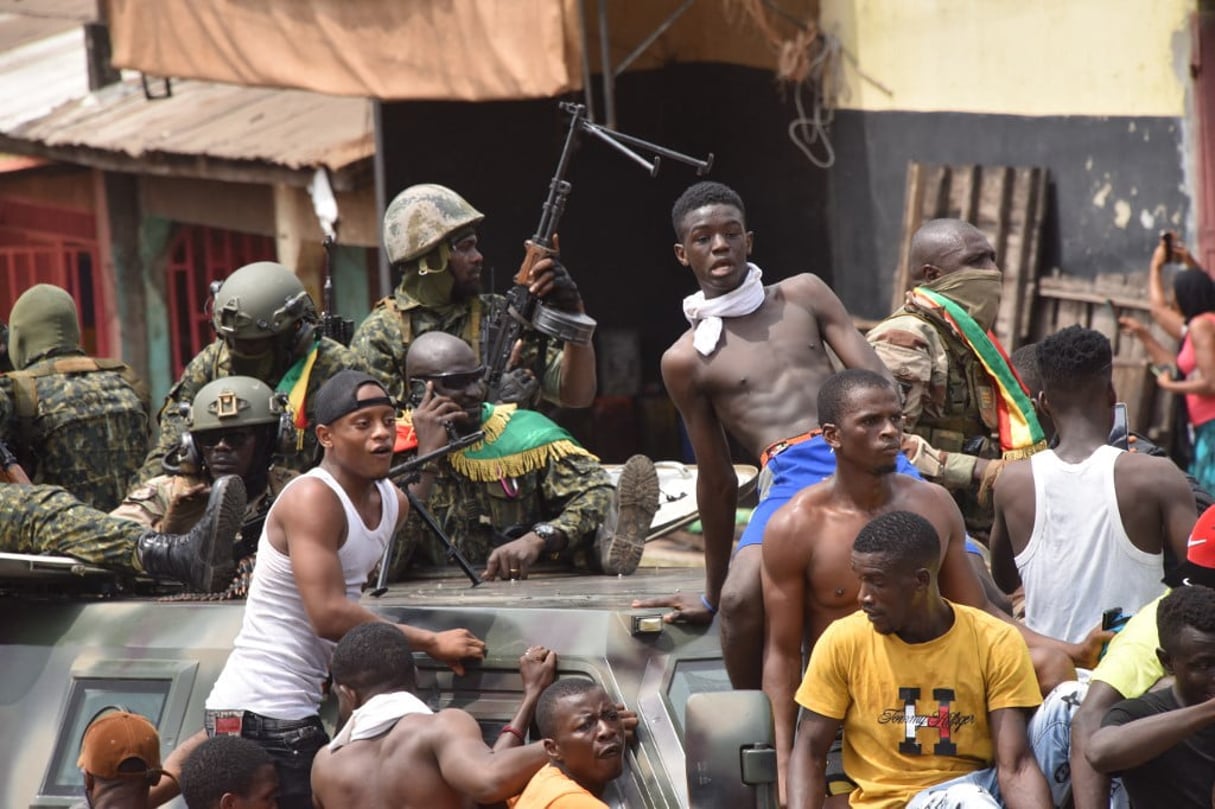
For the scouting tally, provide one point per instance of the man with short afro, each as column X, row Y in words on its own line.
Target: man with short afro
column 1083, row 526
column 229, row 772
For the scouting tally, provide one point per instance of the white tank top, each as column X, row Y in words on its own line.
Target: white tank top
column 278, row 662
column 1079, row 561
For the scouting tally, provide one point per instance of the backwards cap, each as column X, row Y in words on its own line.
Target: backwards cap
column 116, row 738
column 340, row 395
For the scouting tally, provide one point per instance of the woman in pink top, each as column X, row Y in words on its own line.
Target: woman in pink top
column 1191, row 319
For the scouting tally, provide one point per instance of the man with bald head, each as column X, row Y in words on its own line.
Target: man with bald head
column 527, row 493
column 963, row 405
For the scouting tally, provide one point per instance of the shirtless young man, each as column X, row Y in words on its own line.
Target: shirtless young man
column 393, row 751
column 807, row 579
column 750, row 366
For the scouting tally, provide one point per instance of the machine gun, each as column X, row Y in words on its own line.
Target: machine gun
column 333, row 325
column 521, row 310
column 405, row 473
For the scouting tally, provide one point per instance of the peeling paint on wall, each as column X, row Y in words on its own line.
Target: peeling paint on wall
column 1103, row 192
column 1122, row 214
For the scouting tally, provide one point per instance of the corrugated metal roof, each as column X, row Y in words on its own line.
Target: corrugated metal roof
column 41, row 66
column 203, row 129
column 290, row 128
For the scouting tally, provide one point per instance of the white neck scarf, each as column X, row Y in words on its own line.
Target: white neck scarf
column 705, row 314
column 376, row 716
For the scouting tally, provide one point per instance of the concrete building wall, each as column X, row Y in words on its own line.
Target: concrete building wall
column 1097, row 91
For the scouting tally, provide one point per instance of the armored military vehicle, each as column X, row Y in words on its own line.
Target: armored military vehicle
column 70, row 646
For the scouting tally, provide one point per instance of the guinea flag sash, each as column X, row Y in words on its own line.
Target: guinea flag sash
column 1020, row 433
column 295, row 384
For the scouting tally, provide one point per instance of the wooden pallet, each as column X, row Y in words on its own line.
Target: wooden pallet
column 1008, row 204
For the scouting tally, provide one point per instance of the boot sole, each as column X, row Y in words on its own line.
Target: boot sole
column 220, row 566
column 637, row 499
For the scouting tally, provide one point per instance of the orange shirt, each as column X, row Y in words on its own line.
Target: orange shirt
column 552, row 789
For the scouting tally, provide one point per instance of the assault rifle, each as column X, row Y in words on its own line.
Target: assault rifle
column 10, row 468
column 405, row 473
column 521, row 310
column 333, row 325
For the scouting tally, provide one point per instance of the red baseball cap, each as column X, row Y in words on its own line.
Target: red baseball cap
column 1199, row 565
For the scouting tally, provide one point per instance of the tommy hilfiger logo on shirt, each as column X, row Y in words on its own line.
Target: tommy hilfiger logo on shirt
column 945, row 721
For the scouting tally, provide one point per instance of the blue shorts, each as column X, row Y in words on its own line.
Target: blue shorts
column 799, row 466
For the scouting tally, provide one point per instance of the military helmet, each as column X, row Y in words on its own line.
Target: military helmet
column 234, row 401
column 260, row 300
column 420, row 217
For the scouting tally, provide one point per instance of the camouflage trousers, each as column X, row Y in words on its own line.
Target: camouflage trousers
column 49, row 521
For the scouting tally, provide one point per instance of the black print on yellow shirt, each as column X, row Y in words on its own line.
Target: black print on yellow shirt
column 945, row 721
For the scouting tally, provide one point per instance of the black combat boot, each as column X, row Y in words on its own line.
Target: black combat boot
column 201, row 559
column 620, row 544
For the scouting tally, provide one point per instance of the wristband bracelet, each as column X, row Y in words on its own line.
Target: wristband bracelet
column 513, row 732
column 712, row 610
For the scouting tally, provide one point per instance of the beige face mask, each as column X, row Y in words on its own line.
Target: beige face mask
column 429, row 282
column 976, row 291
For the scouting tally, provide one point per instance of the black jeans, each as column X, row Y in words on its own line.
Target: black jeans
column 291, row 743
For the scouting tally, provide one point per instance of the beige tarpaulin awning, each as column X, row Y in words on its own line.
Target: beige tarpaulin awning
column 467, row 50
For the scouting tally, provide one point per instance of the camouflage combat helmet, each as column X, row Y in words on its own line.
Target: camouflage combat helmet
column 260, row 300
column 420, row 217
column 234, row 401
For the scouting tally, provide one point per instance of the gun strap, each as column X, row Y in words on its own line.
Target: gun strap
column 25, row 386
column 472, row 327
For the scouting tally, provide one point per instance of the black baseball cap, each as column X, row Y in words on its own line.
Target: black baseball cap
column 340, row 395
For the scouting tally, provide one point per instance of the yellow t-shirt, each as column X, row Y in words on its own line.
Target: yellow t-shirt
column 916, row 715
column 552, row 789
column 1130, row 664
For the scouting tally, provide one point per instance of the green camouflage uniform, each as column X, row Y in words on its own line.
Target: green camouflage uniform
column 214, row 362
column 88, row 431
column 49, row 521
column 383, row 339
column 948, row 399
column 572, row 493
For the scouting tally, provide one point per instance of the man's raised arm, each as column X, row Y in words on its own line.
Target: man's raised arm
column 835, row 324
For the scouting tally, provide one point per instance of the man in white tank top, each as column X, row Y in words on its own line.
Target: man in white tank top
column 324, row 534
column 1083, row 526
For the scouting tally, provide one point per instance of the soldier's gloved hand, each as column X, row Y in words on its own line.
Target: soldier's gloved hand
column 554, row 284
column 519, row 386
column 512, row 560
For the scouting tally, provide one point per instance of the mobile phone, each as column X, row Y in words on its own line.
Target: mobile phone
column 1114, row 619
column 417, row 392
column 1121, row 430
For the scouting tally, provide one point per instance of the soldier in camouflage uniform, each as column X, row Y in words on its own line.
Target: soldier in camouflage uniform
column 528, row 492
column 72, row 420
column 235, row 425
column 949, row 398
column 267, row 327
column 430, row 237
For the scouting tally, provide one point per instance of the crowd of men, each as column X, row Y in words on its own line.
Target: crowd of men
column 916, row 486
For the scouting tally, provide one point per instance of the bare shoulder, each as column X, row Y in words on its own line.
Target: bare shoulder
column 1149, row 472
column 1014, row 478
column 930, row 499
column 806, row 289
column 793, row 518
column 453, row 724
column 680, row 367
column 310, row 492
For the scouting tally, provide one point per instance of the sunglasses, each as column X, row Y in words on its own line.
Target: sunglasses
column 454, row 380
column 233, row 438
